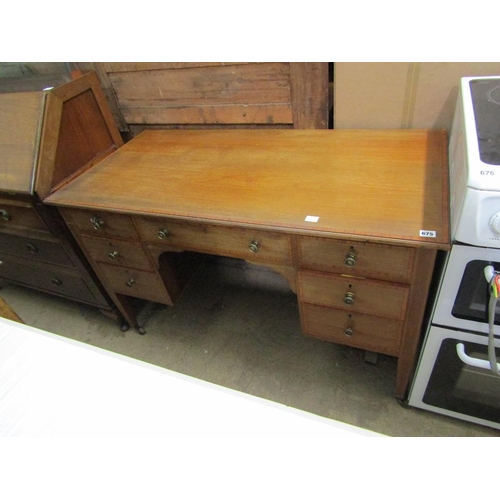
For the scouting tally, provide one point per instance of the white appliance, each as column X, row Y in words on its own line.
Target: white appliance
column 456, row 372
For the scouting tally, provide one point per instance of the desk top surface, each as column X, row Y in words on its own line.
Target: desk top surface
column 383, row 184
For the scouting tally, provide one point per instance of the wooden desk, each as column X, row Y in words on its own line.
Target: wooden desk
column 353, row 220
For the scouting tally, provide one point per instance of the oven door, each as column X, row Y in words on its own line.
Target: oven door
column 463, row 295
column 453, row 377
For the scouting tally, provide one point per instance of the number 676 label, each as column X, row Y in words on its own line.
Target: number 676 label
column 427, row 234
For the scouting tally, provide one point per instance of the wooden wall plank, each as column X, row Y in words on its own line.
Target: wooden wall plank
column 115, row 67
column 309, row 89
column 230, row 114
column 221, row 85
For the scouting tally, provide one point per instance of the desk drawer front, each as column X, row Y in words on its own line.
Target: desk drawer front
column 117, row 252
column 51, row 252
column 20, row 217
column 369, row 260
column 101, row 223
column 356, row 330
column 354, row 294
column 249, row 244
column 141, row 284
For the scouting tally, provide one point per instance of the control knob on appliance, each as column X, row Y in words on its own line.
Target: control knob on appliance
column 495, row 223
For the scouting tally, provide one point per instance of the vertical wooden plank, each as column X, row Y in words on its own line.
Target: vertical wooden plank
column 309, row 85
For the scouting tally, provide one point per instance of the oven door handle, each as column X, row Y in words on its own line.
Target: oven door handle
column 469, row 360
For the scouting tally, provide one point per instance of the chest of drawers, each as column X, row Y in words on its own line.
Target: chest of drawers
column 46, row 138
column 305, row 203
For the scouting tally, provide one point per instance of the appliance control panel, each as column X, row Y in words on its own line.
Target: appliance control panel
column 481, row 121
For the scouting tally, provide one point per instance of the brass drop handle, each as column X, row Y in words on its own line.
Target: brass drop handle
column 349, row 331
column 350, row 258
column 349, row 298
column 97, row 222
column 130, row 282
column 254, row 246
column 32, row 248
column 5, row 215
column 57, row 281
column 163, row 233
column 113, row 255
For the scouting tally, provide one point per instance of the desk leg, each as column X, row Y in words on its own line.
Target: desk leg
column 412, row 332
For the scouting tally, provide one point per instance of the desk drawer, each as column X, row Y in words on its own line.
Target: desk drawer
column 118, row 252
column 48, row 251
column 371, row 260
column 20, row 216
column 47, row 278
column 248, row 244
column 354, row 294
column 141, row 284
column 362, row 331
column 101, row 223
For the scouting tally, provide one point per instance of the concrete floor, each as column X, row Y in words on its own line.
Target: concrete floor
column 238, row 326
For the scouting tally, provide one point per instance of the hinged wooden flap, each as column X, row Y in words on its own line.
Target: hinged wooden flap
column 20, row 122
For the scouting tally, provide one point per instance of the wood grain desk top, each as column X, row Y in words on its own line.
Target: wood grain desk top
column 388, row 185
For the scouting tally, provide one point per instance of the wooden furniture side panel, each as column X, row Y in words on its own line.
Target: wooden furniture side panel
column 79, row 130
column 413, row 330
column 150, row 95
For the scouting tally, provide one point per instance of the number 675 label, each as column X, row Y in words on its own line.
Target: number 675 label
column 427, row 234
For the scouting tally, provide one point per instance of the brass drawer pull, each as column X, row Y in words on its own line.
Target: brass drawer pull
column 57, row 281
column 113, row 255
column 163, row 233
column 5, row 215
column 32, row 248
column 350, row 259
column 97, row 222
column 349, row 298
column 254, row 246
column 349, row 331
column 130, row 282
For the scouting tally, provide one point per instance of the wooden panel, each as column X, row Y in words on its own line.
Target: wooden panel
column 368, row 296
column 309, row 84
column 78, row 131
column 122, row 253
column 83, row 135
column 141, row 284
column 365, row 332
column 386, row 262
column 220, row 240
column 350, row 180
column 20, row 118
column 251, row 93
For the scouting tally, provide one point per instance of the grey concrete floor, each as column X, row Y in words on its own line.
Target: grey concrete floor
column 238, row 326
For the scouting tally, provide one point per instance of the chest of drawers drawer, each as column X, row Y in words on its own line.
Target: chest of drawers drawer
column 370, row 260
column 19, row 216
column 243, row 243
column 101, row 223
column 49, row 278
column 118, row 252
column 137, row 283
column 353, row 294
column 42, row 250
column 362, row 331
